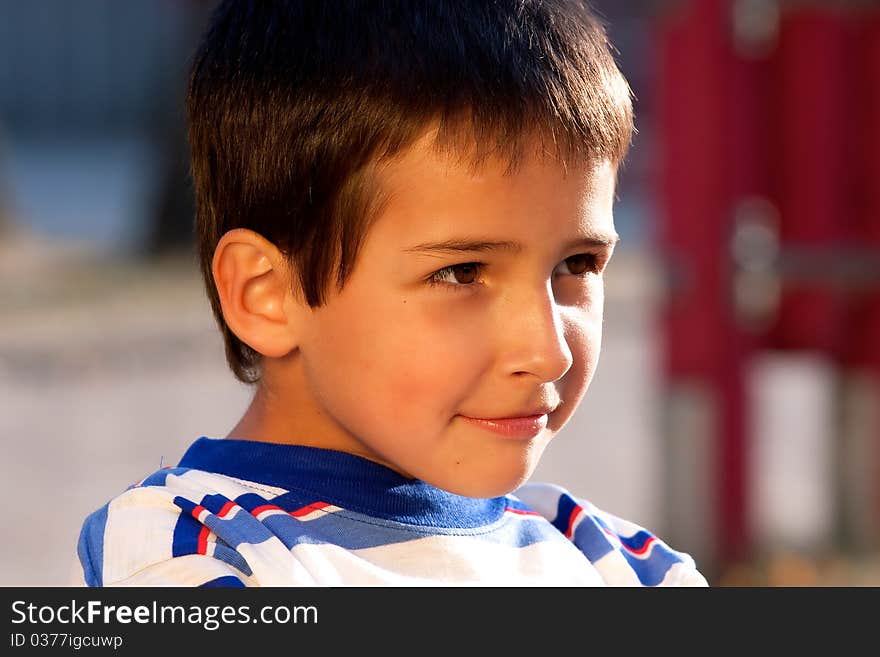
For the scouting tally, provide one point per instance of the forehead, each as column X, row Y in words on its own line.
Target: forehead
column 427, row 192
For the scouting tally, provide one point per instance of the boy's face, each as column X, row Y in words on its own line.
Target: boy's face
column 417, row 360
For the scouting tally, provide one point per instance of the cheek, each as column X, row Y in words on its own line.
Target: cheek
column 433, row 362
column 396, row 358
column 588, row 333
column 584, row 337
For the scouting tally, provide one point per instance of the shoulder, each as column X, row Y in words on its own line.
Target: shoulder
column 151, row 534
column 624, row 552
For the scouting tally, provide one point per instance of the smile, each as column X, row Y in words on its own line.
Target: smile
column 511, row 427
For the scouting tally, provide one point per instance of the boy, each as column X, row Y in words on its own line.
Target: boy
column 404, row 214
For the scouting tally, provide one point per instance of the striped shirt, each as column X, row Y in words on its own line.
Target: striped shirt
column 243, row 513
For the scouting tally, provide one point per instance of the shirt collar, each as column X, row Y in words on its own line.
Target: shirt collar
column 342, row 479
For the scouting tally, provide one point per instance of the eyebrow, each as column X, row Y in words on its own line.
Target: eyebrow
column 480, row 246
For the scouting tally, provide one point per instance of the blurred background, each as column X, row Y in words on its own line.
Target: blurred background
column 736, row 409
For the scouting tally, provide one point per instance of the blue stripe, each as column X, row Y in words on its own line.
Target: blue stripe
column 227, row 581
column 185, row 539
column 251, row 501
column 187, row 530
column 90, row 547
column 241, row 527
column 637, row 541
column 564, row 508
column 653, row 569
column 346, row 529
column 215, row 502
column 353, row 531
column 591, row 539
column 225, row 553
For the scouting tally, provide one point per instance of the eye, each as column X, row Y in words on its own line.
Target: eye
column 457, row 275
column 580, row 264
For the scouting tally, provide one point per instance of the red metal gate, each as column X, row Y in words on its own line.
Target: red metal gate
column 769, row 196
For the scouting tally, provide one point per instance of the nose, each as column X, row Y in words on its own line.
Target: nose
column 533, row 335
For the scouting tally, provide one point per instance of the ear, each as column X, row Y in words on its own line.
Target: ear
column 254, row 285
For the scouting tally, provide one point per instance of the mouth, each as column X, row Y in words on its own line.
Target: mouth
column 522, row 428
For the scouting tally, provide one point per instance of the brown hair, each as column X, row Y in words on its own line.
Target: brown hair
column 291, row 104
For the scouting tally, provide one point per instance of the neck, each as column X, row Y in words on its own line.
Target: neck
column 284, row 411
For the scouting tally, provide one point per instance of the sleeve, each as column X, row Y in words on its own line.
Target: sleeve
column 141, row 539
column 624, row 553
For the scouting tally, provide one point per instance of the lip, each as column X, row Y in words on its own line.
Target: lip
column 511, row 427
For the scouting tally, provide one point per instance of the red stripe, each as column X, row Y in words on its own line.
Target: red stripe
column 575, row 512
column 522, row 512
column 265, row 507
column 203, row 540
column 229, row 506
column 197, row 511
column 642, row 550
column 308, row 508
